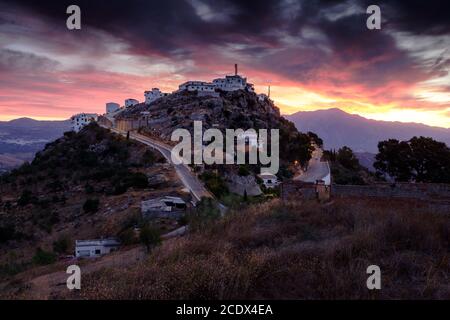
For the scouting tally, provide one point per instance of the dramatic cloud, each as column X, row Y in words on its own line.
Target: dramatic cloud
column 314, row 54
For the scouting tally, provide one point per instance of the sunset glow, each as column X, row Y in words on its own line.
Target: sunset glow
column 324, row 60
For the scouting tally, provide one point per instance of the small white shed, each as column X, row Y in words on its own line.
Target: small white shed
column 95, row 248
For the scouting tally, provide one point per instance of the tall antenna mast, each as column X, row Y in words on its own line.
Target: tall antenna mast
column 235, row 69
column 268, row 91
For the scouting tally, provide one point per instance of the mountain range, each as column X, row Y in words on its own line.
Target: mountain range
column 21, row 138
column 338, row 128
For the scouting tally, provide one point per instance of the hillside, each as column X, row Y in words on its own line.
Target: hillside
column 230, row 110
column 83, row 185
column 21, row 138
column 338, row 128
column 301, row 250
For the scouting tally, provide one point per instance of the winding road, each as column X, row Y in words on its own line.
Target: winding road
column 317, row 169
column 189, row 179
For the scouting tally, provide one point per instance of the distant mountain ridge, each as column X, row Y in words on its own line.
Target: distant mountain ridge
column 21, row 138
column 338, row 128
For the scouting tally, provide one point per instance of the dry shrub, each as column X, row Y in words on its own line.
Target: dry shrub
column 297, row 250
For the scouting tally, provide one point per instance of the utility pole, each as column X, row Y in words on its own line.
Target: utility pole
column 235, row 69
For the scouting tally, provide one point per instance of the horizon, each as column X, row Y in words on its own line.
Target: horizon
column 283, row 115
column 314, row 55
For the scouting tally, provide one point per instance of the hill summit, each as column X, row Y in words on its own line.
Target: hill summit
column 240, row 109
column 338, row 128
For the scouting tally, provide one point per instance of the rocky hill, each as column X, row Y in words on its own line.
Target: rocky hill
column 83, row 185
column 229, row 110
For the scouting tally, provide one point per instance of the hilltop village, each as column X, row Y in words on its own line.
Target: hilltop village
column 228, row 84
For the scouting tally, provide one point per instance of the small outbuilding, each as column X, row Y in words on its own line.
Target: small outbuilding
column 163, row 207
column 95, row 248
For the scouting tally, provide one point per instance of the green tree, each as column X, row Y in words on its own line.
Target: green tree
column 347, row 158
column 420, row 159
column 243, row 170
column 294, row 145
column 149, row 237
column 430, row 160
column 215, row 183
column 42, row 257
column 61, row 245
column 127, row 236
column 315, row 138
column 206, row 211
column 394, row 159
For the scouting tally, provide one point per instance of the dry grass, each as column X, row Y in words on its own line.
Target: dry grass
column 295, row 251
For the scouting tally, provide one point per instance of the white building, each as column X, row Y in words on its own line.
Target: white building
column 269, row 180
column 197, row 86
column 130, row 102
column 229, row 83
column 153, row 95
column 78, row 121
column 112, row 107
column 232, row 83
column 95, row 248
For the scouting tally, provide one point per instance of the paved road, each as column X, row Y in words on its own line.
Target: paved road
column 188, row 178
column 317, row 170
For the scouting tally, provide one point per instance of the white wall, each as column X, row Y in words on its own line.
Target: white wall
column 112, row 107
column 93, row 251
column 78, row 121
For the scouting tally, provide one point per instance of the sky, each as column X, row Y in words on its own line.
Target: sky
column 314, row 54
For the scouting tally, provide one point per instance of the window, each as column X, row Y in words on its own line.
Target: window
column 97, row 251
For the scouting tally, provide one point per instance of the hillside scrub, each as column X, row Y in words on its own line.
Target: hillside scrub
column 66, row 191
column 301, row 250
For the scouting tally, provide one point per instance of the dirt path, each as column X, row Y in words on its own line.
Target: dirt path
column 49, row 285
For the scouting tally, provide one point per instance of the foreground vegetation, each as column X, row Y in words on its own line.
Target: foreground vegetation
column 294, row 251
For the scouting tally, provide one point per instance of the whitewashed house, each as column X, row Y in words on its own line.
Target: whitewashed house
column 95, row 248
column 229, row 83
column 112, row 107
column 78, row 121
column 197, row 86
column 269, row 180
column 153, row 95
column 130, row 102
column 232, row 83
